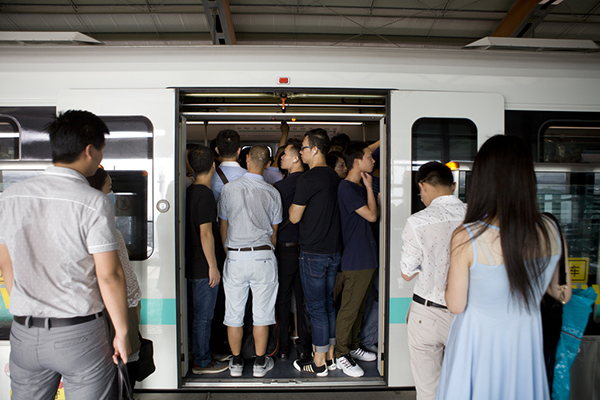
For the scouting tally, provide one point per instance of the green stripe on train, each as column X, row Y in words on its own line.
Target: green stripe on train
column 159, row 312
column 398, row 309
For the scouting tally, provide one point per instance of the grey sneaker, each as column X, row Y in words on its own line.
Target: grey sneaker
column 361, row 354
column 349, row 366
column 261, row 370
column 214, row 367
column 235, row 369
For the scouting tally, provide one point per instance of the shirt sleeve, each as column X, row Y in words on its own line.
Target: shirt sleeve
column 349, row 199
column 101, row 231
column 221, row 206
column 277, row 216
column 412, row 252
column 303, row 191
column 206, row 209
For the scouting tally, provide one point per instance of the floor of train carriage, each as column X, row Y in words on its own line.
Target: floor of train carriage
column 284, row 372
column 387, row 394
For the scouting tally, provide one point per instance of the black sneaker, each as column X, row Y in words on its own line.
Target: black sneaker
column 311, row 368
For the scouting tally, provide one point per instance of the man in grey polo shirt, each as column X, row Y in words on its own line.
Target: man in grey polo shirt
column 249, row 213
column 58, row 256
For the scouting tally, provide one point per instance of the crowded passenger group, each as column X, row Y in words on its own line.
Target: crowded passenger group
column 289, row 242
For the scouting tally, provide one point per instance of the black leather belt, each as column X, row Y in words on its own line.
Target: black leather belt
column 265, row 247
column 55, row 322
column 288, row 244
column 427, row 303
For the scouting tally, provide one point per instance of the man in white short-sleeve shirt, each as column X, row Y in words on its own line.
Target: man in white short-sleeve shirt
column 426, row 256
column 58, row 257
column 249, row 212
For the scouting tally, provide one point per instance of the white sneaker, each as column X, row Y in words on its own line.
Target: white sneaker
column 330, row 365
column 361, row 354
column 235, row 369
column 349, row 366
column 261, row 370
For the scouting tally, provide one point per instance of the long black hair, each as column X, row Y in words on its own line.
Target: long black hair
column 503, row 188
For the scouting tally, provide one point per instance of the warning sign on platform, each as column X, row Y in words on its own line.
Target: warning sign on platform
column 579, row 269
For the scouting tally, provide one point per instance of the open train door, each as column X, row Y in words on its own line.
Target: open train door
column 142, row 150
column 405, row 109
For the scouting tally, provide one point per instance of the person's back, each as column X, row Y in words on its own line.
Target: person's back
column 58, row 256
column 228, row 147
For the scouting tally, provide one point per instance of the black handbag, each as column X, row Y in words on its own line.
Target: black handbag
column 552, row 311
column 144, row 366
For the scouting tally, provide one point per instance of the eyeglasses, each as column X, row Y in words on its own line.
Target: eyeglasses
column 305, row 147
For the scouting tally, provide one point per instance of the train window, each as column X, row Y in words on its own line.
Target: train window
column 574, row 198
column 570, row 142
column 9, row 139
column 441, row 139
column 128, row 159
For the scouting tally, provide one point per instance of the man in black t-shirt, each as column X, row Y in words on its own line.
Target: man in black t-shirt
column 204, row 254
column 315, row 208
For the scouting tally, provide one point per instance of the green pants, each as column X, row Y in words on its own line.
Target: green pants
column 349, row 319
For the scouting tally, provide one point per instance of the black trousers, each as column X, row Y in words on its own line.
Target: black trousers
column 289, row 278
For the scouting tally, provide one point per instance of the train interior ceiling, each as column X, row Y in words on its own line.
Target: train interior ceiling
column 257, row 117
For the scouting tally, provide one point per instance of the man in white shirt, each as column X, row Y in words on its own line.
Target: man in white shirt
column 249, row 212
column 426, row 256
column 228, row 147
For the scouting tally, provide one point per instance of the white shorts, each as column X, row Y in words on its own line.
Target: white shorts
column 256, row 270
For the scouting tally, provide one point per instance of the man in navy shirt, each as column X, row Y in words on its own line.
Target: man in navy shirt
column 358, row 209
column 287, row 252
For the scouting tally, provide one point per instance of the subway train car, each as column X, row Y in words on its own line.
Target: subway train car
column 422, row 104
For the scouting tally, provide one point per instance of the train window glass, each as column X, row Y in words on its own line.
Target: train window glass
column 570, row 142
column 128, row 160
column 574, row 198
column 9, row 139
column 7, row 178
column 441, row 139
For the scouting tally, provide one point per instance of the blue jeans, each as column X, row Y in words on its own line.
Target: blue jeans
column 318, row 272
column 204, row 298
column 369, row 330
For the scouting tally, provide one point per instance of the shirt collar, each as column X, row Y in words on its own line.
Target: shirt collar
column 230, row 164
column 450, row 198
column 67, row 172
column 254, row 176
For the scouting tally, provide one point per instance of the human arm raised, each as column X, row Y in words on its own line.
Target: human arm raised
column 111, row 281
column 285, row 130
column 370, row 211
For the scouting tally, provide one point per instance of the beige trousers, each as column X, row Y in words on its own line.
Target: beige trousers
column 428, row 329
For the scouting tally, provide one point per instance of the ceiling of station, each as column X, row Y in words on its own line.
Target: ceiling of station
column 392, row 23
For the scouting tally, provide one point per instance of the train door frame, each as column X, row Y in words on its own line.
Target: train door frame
column 486, row 111
column 159, row 300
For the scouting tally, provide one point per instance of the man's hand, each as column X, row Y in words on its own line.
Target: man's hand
column 214, row 277
column 122, row 349
column 367, row 179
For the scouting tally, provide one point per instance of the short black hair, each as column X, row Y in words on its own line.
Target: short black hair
column 318, row 138
column 332, row 158
column 260, row 155
column 72, row 131
column 228, row 142
column 201, row 159
column 354, row 151
column 435, row 174
column 341, row 139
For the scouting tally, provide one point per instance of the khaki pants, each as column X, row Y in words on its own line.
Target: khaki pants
column 428, row 329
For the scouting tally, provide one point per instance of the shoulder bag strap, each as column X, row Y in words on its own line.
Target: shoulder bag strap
column 222, row 176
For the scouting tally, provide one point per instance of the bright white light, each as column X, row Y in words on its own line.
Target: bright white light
column 128, row 135
column 271, row 123
column 10, row 135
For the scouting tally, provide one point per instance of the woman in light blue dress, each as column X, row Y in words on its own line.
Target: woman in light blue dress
column 502, row 261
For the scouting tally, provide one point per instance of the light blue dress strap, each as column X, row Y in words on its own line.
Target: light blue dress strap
column 473, row 245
